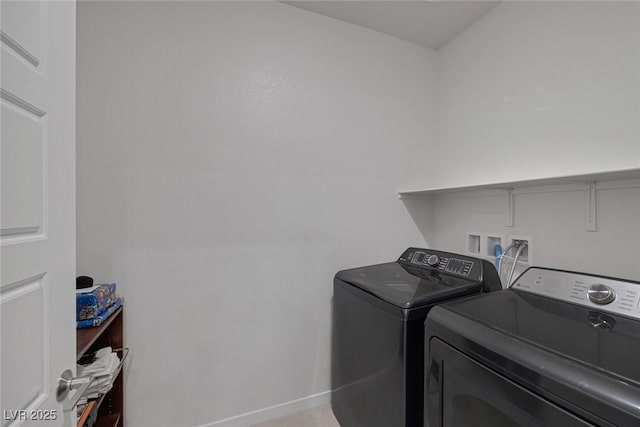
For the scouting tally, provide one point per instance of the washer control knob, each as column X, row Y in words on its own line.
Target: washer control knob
column 433, row 260
column 601, row 294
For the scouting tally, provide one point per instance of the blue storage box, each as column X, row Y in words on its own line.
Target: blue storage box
column 89, row 304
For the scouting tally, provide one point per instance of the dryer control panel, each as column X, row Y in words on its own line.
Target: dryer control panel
column 445, row 262
column 608, row 294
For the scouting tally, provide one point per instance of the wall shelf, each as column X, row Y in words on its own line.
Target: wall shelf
column 589, row 183
column 535, row 182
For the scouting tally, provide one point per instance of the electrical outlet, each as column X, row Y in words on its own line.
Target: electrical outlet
column 526, row 256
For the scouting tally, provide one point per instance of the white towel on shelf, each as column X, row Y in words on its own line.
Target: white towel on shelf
column 102, row 368
column 99, row 365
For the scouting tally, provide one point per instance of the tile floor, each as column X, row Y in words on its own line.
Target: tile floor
column 320, row 416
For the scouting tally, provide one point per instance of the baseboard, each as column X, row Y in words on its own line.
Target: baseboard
column 272, row 412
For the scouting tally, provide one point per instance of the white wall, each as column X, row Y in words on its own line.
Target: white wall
column 539, row 89
column 232, row 158
column 555, row 220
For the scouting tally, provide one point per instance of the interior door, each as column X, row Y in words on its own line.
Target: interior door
column 37, row 212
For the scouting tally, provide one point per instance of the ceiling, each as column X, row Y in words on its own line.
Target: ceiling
column 428, row 23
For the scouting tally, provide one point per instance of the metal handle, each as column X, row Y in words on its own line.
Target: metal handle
column 602, row 321
column 67, row 383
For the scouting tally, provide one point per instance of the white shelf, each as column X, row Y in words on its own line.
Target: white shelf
column 588, row 182
column 536, row 182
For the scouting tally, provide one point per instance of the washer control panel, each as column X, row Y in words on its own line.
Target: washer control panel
column 445, row 262
column 617, row 296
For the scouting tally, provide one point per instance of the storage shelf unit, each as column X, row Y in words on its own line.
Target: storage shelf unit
column 88, row 340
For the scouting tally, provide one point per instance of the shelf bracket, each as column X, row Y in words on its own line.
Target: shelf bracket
column 509, row 220
column 590, row 200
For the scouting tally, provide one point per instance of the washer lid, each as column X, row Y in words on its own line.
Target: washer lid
column 408, row 287
column 604, row 341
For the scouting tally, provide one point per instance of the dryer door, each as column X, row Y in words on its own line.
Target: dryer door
column 462, row 392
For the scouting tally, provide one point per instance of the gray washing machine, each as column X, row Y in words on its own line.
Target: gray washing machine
column 558, row 348
column 378, row 332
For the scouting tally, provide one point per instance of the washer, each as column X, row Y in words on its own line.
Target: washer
column 559, row 348
column 378, row 332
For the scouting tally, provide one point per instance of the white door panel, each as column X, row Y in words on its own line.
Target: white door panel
column 24, row 84
column 22, row 148
column 21, row 27
column 27, row 372
column 37, row 210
